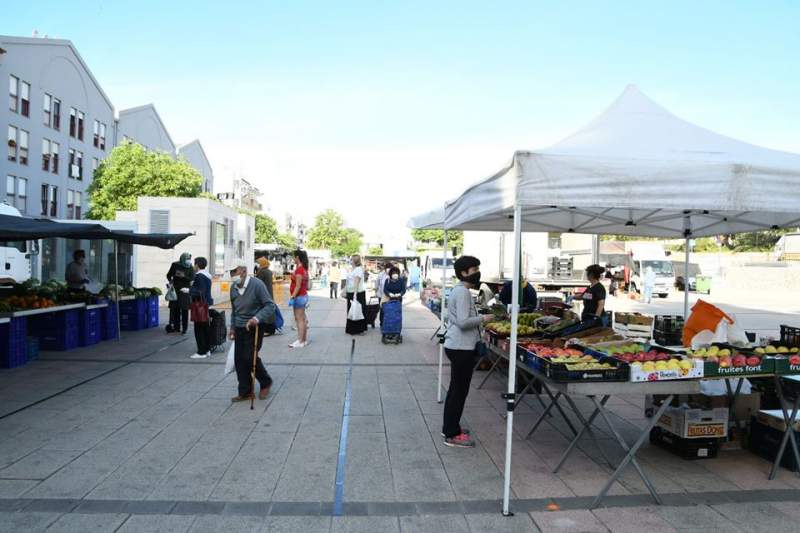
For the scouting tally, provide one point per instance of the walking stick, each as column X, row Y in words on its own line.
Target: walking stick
column 253, row 371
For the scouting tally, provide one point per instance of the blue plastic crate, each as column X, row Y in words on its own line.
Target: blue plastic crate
column 90, row 331
column 152, row 312
column 133, row 314
column 32, row 348
column 108, row 321
column 13, row 343
column 57, row 331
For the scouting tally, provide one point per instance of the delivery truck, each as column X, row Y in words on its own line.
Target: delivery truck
column 630, row 261
column 15, row 256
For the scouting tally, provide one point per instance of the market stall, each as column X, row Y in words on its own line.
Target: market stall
column 62, row 319
column 635, row 170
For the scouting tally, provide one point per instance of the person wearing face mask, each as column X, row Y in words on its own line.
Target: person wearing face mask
column 180, row 276
column 77, row 275
column 201, row 291
column 460, row 345
column 251, row 307
column 394, row 287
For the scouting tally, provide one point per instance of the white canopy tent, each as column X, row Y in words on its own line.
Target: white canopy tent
column 634, row 170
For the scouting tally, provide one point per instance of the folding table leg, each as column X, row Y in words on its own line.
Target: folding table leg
column 586, row 427
column 544, row 414
column 558, row 406
column 491, row 371
column 632, row 453
column 627, row 449
column 788, row 435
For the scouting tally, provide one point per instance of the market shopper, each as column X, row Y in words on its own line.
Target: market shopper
column 649, row 283
column 77, row 274
column 594, row 298
column 265, row 275
column 460, row 346
column 251, row 307
column 356, row 290
column 180, row 276
column 414, row 274
column 395, row 285
column 379, row 286
column 334, row 278
column 529, row 297
column 298, row 298
column 200, row 292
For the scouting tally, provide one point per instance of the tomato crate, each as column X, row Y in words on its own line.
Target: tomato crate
column 13, row 343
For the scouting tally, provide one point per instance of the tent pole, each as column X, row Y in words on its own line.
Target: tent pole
column 443, row 310
column 510, row 397
column 116, row 288
column 686, row 280
column 596, row 249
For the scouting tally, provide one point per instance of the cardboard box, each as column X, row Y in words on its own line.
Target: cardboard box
column 633, row 319
column 774, row 419
column 747, row 405
column 695, row 423
column 639, row 375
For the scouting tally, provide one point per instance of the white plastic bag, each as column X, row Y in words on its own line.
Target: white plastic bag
column 355, row 313
column 716, row 387
column 230, row 362
column 725, row 332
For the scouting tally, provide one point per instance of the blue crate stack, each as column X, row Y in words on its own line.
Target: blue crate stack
column 90, row 330
column 32, row 348
column 13, row 343
column 133, row 314
column 57, row 331
column 108, row 322
column 152, row 312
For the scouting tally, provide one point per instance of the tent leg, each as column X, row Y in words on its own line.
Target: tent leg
column 686, row 281
column 444, row 310
column 512, row 358
column 116, row 288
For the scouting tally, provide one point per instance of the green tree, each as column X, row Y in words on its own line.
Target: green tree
column 436, row 236
column 330, row 233
column 266, row 228
column 131, row 171
column 375, row 250
column 349, row 245
column 287, row 240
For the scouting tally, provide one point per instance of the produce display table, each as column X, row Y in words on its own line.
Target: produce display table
column 42, row 311
column 604, row 390
column 97, row 306
column 787, row 386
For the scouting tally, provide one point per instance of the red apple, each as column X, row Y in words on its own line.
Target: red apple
column 794, row 360
column 739, row 361
column 639, row 357
column 649, row 357
column 662, row 357
column 712, row 359
column 753, row 360
column 724, row 362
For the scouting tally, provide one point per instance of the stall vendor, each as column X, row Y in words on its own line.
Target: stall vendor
column 528, row 294
column 594, row 298
column 77, row 275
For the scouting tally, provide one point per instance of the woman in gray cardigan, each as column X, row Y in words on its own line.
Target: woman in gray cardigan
column 460, row 344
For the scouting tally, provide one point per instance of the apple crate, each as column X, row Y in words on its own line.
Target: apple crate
column 742, row 363
column 695, row 448
column 695, row 423
column 696, row 371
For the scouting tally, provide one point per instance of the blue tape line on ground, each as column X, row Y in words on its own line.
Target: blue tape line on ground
column 338, row 495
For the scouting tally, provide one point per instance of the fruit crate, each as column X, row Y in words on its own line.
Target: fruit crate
column 704, row 448
column 638, row 374
column 574, row 328
column 90, row 331
column 152, row 312
column 57, row 331
column 560, row 372
column 765, row 366
column 108, row 321
column 133, row 314
column 790, row 336
column 13, row 343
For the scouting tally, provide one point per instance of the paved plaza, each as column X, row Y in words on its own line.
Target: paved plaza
column 134, row 436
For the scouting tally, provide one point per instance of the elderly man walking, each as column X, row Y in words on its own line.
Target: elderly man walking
column 251, row 307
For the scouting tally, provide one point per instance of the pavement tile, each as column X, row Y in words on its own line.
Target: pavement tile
column 51, row 506
column 87, row 523
column 26, row 522
column 39, row 464
column 568, row 522
column 696, row 516
column 14, row 488
column 198, row 508
column 391, row 508
column 440, row 523
column 365, row 524
column 149, row 507
column 102, row 506
column 295, row 508
column 497, row 523
column 758, row 517
column 247, row 508
column 297, row 524
column 156, row 524
column 228, row 524
column 633, row 520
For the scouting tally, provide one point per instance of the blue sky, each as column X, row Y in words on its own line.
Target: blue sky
column 383, row 109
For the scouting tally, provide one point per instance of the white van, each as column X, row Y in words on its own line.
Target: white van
column 15, row 256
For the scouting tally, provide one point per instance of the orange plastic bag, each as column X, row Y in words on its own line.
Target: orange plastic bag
column 704, row 316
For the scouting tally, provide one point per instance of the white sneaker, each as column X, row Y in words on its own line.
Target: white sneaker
column 296, row 344
column 198, row 356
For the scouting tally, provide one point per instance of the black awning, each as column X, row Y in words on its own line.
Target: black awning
column 13, row 228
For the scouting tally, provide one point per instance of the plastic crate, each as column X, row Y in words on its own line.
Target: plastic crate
column 765, row 442
column 133, row 314
column 705, row 448
column 90, row 331
column 108, row 322
column 32, row 348
column 13, row 343
column 152, row 312
column 790, row 336
column 57, row 331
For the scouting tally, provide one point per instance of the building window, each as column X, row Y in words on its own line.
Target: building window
column 45, row 155
column 81, row 120
column 95, row 164
column 73, row 124
column 79, row 162
column 56, row 114
column 75, row 164
column 78, row 204
column 53, row 201
column 54, row 156
column 102, row 136
column 45, row 202
column 12, row 143
column 70, row 204
column 25, row 97
column 47, row 109
column 23, row 147
column 96, row 137
column 11, row 189
column 13, row 93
